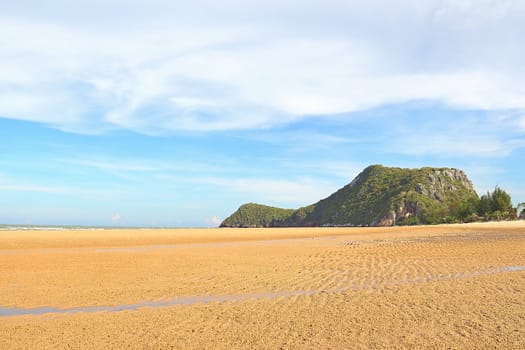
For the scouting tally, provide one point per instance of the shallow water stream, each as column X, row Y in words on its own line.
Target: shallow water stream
column 190, row 300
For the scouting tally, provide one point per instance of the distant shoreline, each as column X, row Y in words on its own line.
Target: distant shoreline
column 16, row 227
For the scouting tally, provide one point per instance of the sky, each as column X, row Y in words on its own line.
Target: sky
column 170, row 113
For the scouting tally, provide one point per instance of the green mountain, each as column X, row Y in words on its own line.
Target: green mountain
column 257, row 215
column 378, row 196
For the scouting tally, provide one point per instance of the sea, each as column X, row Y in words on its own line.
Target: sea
column 9, row 227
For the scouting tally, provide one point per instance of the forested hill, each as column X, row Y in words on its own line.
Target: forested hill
column 378, row 196
column 257, row 215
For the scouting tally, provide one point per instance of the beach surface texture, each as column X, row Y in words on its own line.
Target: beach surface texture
column 446, row 286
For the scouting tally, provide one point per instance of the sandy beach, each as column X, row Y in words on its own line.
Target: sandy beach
column 450, row 286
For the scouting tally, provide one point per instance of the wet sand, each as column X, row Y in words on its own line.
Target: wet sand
column 451, row 286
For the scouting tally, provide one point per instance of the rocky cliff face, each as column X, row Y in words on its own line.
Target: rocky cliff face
column 442, row 181
column 379, row 196
column 446, row 187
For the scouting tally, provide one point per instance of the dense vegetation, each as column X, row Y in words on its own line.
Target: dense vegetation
column 382, row 196
column 496, row 205
column 257, row 215
column 388, row 196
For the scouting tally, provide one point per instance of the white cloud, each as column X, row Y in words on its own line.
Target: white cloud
column 214, row 221
column 116, row 218
column 249, row 66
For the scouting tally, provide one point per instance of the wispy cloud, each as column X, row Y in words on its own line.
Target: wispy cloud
column 291, row 192
column 34, row 188
column 431, row 130
column 301, row 191
column 234, row 70
column 115, row 165
column 156, row 167
column 101, row 193
column 457, row 146
column 521, row 123
column 301, row 139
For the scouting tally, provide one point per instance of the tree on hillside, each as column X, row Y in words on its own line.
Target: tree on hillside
column 496, row 205
column 501, row 200
column 485, row 204
column 468, row 209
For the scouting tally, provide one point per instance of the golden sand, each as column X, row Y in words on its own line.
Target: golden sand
column 452, row 286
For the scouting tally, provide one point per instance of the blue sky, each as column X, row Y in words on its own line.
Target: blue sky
column 171, row 114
